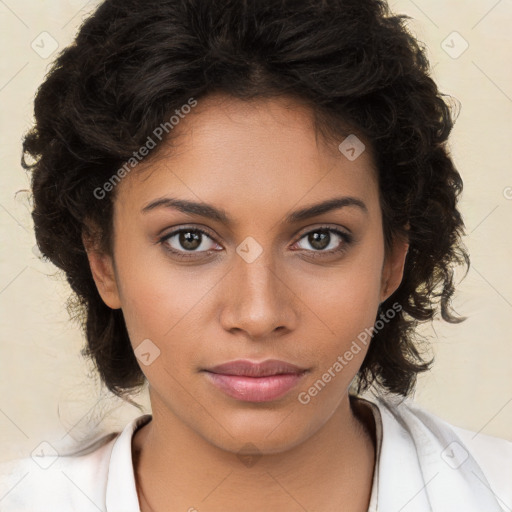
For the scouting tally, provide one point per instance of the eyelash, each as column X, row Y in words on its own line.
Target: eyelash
column 347, row 239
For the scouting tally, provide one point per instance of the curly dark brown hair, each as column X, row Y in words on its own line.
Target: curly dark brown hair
column 354, row 62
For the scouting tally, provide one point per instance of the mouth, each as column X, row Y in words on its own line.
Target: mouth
column 255, row 382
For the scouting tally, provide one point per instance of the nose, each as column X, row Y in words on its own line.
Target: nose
column 257, row 299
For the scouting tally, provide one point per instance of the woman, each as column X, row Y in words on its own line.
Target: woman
column 254, row 205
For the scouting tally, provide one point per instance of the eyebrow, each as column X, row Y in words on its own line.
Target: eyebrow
column 220, row 215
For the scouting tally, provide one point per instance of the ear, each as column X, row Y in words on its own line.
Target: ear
column 103, row 272
column 393, row 268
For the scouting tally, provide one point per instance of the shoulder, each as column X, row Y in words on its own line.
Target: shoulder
column 57, row 482
column 452, row 449
column 494, row 455
column 489, row 451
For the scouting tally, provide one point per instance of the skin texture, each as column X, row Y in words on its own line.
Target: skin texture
column 258, row 161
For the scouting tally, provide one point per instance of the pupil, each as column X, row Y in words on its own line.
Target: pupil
column 190, row 240
column 318, row 239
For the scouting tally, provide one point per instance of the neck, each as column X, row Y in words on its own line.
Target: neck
column 334, row 466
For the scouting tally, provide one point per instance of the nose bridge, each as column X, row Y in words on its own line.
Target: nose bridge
column 255, row 274
column 258, row 301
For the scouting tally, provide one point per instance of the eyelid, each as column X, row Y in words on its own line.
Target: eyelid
column 195, row 227
column 309, row 229
column 178, row 230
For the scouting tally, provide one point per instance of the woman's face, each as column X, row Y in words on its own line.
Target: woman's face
column 255, row 281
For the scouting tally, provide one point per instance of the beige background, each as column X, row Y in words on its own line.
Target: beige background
column 49, row 393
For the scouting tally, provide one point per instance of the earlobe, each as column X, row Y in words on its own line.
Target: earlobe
column 104, row 276
column 393, row 270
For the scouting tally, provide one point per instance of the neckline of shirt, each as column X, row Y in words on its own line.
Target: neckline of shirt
column 121, row 490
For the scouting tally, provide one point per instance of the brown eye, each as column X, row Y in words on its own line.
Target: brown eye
column 188, row 240
column 327, row 240
column 319, row 240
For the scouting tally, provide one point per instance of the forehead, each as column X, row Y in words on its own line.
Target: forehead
column 230, row 151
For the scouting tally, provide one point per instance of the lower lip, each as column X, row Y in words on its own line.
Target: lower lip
column 255, row 389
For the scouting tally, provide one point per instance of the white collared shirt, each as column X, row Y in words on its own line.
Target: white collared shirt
column 423, row 464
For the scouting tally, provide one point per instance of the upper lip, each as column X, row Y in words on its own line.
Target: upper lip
column 256, row 369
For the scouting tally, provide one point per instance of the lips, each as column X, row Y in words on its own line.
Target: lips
column 250, row 369
column 255, row 382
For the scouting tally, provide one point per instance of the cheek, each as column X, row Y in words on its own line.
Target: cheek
column 159, row 308
column 348, row 296
column 162, row 303
column 346, row 304
column 340, row 349
column 348, row 321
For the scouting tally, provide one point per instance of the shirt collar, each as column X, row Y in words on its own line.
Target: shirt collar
column 410, row 474
column 424, row 466
column 121, row 493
